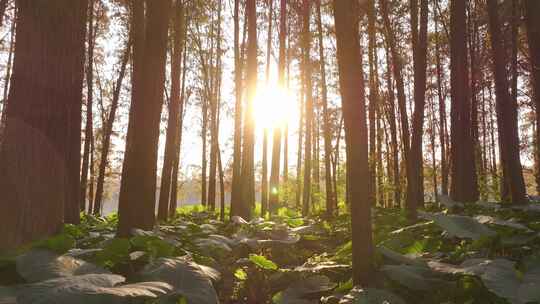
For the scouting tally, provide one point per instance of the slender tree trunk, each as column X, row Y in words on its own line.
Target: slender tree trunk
column 532, row 22
column 138, row 187
column 286, row 129
column 391, row 113
column 40, row 151
column 107, row 131
column 7, row 77
column 352, row 92
column 248, row 149
column 221, row 188
column 276, row 142
column 400, row 86
column 299, row 154
column 373, row 97
column 237, row 154
column 174, row 110
column 464, row 186
column 92, row 180
column 306, row 46
column 415, row 178
column 264, row 177
column 330, row 197
column 506, row 109
column 433, row 148
column 89, row 130
column 442, row 111
column 173, row 200
column 214, row 122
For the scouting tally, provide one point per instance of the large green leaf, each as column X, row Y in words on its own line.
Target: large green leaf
column 191, row 280
column 503, row 279
column 414, row 277
column 40, row 265
column 398, row 258
column 262, row 262
column 90, row 289
column 486, row 219
column 305, row 290
column 459, row 226
column 370, row 296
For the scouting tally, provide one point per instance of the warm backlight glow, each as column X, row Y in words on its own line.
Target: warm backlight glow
column 274, row 107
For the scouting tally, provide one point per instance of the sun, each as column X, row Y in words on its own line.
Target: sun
column 274, row 107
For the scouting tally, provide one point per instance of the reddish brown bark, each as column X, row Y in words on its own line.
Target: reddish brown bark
column 40, row 151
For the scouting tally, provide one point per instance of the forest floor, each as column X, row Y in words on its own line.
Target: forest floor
column 455, row 253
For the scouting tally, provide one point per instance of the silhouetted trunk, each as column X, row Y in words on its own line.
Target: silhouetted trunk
column 221, row 188
column 173, row 200
column 464, row 186
column 108, row 130
column 89, row 130
column 391, row 113
column 40, row 151
column 306, row 63
column 237, row 153
column 373, row 97
column 138, row 187
column 351, row 84
column 442, row 110
column 397, row 64
column 248, row 149
column 7, row 78
column 276, row 142
column 300, row 142
column 174, row 110
column 331, row 202
column 532, row 22
column 415, row 178
column 506, row 109
column 92, row 180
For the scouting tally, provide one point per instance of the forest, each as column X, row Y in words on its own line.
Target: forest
column 270, row 151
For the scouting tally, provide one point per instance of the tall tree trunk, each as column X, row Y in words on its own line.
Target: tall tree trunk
column 391, row 113
column 108, row 129
column 92, row 172
column 415, row 178
column 7, row 77
column 174, row 110
column 464, row 186
column 173, row 204
column 237, row 154
column 331, row 202
column 276, row 142
column 138, row 187
column 214, row 122
column 532, row 22
column 248, row 149
column 301, row 124
column 354, row 112
column 89, row 130
column 221, row 188
column 397, row 64
column 204, row 160
column 306, row 46
column 40, row 151
column 506, row 109
column 442, row 110
column 264, row 177
column 373, row 97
